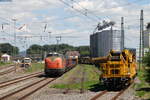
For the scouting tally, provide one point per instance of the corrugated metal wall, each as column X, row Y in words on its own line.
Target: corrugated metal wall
column 147, row 39
column 93, row 44
column 102, row 42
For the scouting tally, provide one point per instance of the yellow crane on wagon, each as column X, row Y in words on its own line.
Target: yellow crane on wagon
column 118, row 68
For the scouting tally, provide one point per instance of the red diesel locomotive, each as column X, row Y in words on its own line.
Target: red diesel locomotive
column 56, row 64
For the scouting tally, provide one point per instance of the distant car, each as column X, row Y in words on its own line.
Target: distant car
column 26, row 62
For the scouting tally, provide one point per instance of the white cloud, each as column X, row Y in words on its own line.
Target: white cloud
column 29, row 11
column 83, row 4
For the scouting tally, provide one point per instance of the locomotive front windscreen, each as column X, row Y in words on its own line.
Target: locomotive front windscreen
column 52, row 54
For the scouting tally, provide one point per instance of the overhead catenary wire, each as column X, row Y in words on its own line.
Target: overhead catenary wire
column 86, row 10
column 127, row 4
column 5, row 19
column 83, row 13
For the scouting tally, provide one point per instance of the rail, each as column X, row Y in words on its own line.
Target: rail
column 114, row 97
column 9, row 82
column 28, row 90
column 7, row 71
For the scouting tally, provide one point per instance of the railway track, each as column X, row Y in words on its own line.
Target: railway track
column 105, row 92
column 19, row 79
column 98, row 95
column 3, row 67
column 28, row 90
column 7, row 71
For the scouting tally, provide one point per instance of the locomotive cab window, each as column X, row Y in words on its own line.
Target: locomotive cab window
column 53, row 54
column 49, row 55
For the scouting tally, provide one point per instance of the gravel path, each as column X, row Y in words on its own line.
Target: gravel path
column 57, row 94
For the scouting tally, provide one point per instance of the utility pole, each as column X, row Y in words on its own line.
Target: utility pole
column 49, row 36
column 142, row 31
column 14, row 35
column 122, row 32
column 26, row 46
column 141, row 46
column 14, row 51
column 58, row 39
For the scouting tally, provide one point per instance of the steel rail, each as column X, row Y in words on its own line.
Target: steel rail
column 118, row 94
column 30, row 93
column 122, row 91
column 9, row 82
column 99, row 95
column 7, row 71
column 28, row 87
column 7, row 66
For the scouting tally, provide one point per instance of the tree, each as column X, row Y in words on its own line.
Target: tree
column 148, row 26
column 9, row 49
column 84, row 50
column 35, row 49
column 61, row 48
column 146, row 60
column 35, row 52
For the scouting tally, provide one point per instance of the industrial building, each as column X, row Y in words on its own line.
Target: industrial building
column 103, row 41
column 146, row 40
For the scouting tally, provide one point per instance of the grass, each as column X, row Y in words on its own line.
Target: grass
column 87, row 85
column 5, row 63
column 91, row 78
column 35, row 67
column 142, row 88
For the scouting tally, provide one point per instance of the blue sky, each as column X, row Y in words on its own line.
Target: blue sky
column 65, row 21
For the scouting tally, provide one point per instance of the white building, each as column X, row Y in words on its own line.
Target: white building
column 5, row 58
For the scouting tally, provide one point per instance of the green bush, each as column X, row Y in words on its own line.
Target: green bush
column 146, row 61
column 4, row 63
